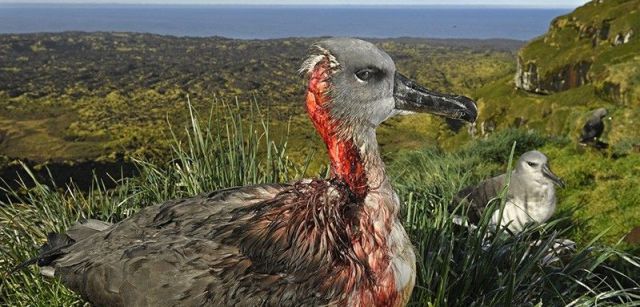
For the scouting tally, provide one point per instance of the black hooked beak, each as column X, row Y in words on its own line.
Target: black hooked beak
column 410, row 96
column 546, row 171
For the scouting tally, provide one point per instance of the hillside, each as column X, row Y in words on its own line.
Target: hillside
column 596, row 44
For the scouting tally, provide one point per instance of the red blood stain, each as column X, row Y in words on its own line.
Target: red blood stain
column 346, row 162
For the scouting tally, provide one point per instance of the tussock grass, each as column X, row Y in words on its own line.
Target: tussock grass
column 456, row 266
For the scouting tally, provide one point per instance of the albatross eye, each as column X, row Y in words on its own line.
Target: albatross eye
column 365, row 74
column 532, row 164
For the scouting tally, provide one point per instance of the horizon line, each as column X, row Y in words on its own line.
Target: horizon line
column 494, row 6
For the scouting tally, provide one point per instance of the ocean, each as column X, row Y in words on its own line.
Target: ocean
column 265, row 22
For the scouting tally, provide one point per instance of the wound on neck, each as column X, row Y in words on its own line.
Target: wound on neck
column 346, row 160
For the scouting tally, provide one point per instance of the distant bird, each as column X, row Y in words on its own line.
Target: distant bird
column 593, row 128
column 313, row 242
column 531, row 196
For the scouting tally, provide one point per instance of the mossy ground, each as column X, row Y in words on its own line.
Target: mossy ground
column 602, row 191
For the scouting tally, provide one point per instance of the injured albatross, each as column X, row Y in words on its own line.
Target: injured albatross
column 531, row 196
column 313, row 242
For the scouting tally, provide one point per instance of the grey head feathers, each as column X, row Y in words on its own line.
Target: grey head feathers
column 531, row 159
column 534, row 167
column 599, row 113
column 361, row 78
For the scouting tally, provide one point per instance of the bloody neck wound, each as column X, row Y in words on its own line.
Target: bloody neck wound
column 346, row 159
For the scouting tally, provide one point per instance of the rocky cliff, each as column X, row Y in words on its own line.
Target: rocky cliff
column 566, row 77
column 598, row 43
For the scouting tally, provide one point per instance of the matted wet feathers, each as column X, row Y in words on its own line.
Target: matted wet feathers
column 316, row 55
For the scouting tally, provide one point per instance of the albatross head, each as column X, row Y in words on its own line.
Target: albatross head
column 600, row 113
column 534, row 165
column 361, row 87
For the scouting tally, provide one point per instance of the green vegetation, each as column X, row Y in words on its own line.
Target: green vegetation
column 604, row 192
column 558, row 114
column 456, row 266
column 221, row 153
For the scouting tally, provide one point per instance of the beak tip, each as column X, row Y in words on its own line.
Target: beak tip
column 559, row 182
column 470, row 113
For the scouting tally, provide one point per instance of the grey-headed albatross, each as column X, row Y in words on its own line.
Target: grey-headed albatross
column 312, row 242
column 531, row 196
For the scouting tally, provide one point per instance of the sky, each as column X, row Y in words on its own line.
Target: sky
column 522, row 3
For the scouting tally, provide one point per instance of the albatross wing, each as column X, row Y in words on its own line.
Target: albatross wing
column 478, row 196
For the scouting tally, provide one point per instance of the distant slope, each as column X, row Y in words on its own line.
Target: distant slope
column 598, row 44
column 85, row 95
